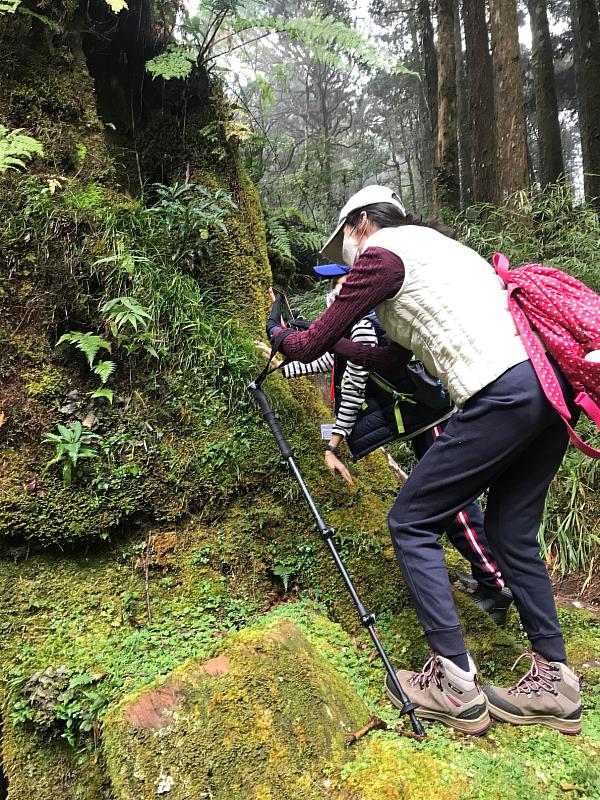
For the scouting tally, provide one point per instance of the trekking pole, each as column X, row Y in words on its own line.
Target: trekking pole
column 366, row 617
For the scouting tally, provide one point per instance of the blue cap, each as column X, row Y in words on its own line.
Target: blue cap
column 331, row 270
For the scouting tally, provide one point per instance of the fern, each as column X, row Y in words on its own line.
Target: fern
column 329, row 40
column 15, row 146
column 9, row 6
column 285, row 238
column 117, row 5
column 107, row 394
column 207, row 37
column 104, row 369
column 278, row 238
column 89, row 344
column 175, row 62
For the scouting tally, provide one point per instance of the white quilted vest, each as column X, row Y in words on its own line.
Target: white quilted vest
column 452, row 310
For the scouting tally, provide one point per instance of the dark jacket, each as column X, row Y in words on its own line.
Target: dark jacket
column 400, row 411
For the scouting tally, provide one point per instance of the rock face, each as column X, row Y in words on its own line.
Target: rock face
column 261, row 720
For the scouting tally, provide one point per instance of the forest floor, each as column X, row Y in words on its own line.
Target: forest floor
column 580, row 590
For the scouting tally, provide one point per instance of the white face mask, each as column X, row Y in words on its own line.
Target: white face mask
column 349, row 251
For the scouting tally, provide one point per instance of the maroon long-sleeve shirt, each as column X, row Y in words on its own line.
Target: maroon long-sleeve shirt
column 377, row 275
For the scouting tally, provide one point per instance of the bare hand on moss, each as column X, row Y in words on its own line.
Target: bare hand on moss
column 266, row 351
column 335, row 465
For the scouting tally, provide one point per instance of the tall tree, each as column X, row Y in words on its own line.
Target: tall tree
column 481, row 101
column 586, row 35
column 552, row 165
column 424, row 46
column 464, row 116
column 447, row 189
column 511, row 141
column 429, row 56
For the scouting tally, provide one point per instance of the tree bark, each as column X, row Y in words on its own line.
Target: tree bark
column 447, row 189
column 552, row 166
column 424, row 49
column 481, row 101
column 464, row 125
column 586, row 38
column 429, row 58
column 511, row 147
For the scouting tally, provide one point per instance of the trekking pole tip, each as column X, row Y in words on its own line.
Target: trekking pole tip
column 417, row 725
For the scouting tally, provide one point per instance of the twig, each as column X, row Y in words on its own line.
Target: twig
column 409, row 735
column 374, row 724
column 395, row 467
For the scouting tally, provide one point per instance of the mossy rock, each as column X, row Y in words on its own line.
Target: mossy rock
column 263, row 719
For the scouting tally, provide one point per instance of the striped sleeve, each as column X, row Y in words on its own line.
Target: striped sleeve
column 354, row 380
column 295, row 369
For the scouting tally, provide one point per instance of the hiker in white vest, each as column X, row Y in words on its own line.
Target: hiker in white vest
column 441, row 301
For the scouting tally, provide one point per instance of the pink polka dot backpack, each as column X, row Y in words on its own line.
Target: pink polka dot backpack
column 565, row 315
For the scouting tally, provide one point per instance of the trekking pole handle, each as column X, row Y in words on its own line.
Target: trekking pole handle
column 271, row 420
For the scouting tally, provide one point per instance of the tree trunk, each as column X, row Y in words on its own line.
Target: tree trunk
column 586, row 38
column 511, row 148
column 424, row 49
column 429, row 59
column 464, row 125
column 481, row 101
column 447, row 189
column 552, row 166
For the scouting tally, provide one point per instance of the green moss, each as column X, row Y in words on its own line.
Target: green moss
column 57, row 772
column 47, row 384
column 387, row 769
column 265, row 723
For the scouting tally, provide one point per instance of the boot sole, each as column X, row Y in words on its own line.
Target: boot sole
column 570, row 727
column 472, row 727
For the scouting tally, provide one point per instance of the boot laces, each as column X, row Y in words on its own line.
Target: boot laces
column 427, row 674
column 537, row 679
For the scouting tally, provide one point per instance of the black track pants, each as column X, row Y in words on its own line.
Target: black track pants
column 466, row 530
column 507, row 439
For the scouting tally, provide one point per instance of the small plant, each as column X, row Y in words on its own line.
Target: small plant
column 289, row 232
column 124, row 311
column 128, row 320
column 90, row 345
column 15, row 146
column 60, row 701
column 176, row 62
column 72, row 444
column 190, row 212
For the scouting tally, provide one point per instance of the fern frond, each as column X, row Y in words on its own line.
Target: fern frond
column 88, row 343
column 117, row 5
column 9, row 6
column 176, row 62
column 278, row 237
column 15, row 146
column 104, row 369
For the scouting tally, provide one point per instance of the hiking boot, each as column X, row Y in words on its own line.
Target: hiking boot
column 547, row 695
column 496, row 604
column 445, row 693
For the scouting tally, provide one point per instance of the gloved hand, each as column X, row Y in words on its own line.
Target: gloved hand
column 300, row 324
column 275, row 323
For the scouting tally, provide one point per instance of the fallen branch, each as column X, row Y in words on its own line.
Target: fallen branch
column 374, row 724
column 395, row 467
column 409, row 734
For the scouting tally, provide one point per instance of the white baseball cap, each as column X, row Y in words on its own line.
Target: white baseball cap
column 365, row 197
